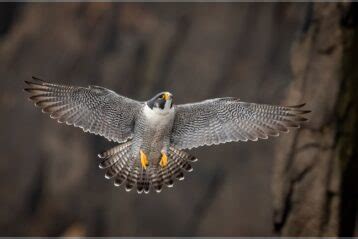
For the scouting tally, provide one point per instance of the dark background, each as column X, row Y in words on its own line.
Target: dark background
column 50, row 183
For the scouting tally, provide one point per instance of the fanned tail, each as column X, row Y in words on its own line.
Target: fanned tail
column 179, row 161
column 120, row 165
column 127, row 170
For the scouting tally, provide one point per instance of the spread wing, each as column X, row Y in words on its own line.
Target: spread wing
column 94, row 109
column 222, row 120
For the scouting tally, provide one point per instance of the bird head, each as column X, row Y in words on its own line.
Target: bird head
column 161, row 102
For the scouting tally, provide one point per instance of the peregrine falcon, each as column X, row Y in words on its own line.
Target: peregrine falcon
column 153, row 135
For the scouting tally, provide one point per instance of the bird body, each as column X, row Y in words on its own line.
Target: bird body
column 153, row 135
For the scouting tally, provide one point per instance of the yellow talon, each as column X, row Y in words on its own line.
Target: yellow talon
column 164, row 160
column 143, row 159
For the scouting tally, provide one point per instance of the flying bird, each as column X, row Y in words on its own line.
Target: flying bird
column 153, row 135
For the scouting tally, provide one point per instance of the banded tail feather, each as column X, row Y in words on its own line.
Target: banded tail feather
column 127, row 170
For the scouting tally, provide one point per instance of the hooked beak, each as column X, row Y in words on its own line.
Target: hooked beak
column 167, row 96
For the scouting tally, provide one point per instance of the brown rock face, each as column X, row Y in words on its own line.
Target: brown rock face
column 314, row 189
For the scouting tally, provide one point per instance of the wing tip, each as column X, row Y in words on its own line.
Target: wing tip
column 297, row 106
column 29, row 85
column 37, row 79
column 32, row 85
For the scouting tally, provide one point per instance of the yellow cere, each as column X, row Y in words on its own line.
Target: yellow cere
column 166, row 96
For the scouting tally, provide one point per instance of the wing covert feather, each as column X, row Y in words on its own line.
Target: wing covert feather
column 94, row 109
column 224, row 120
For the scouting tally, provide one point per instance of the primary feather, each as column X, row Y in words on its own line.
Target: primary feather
column 223, row 120
column 94, row 109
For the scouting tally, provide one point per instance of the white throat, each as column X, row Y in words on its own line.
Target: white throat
column 156, row 114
